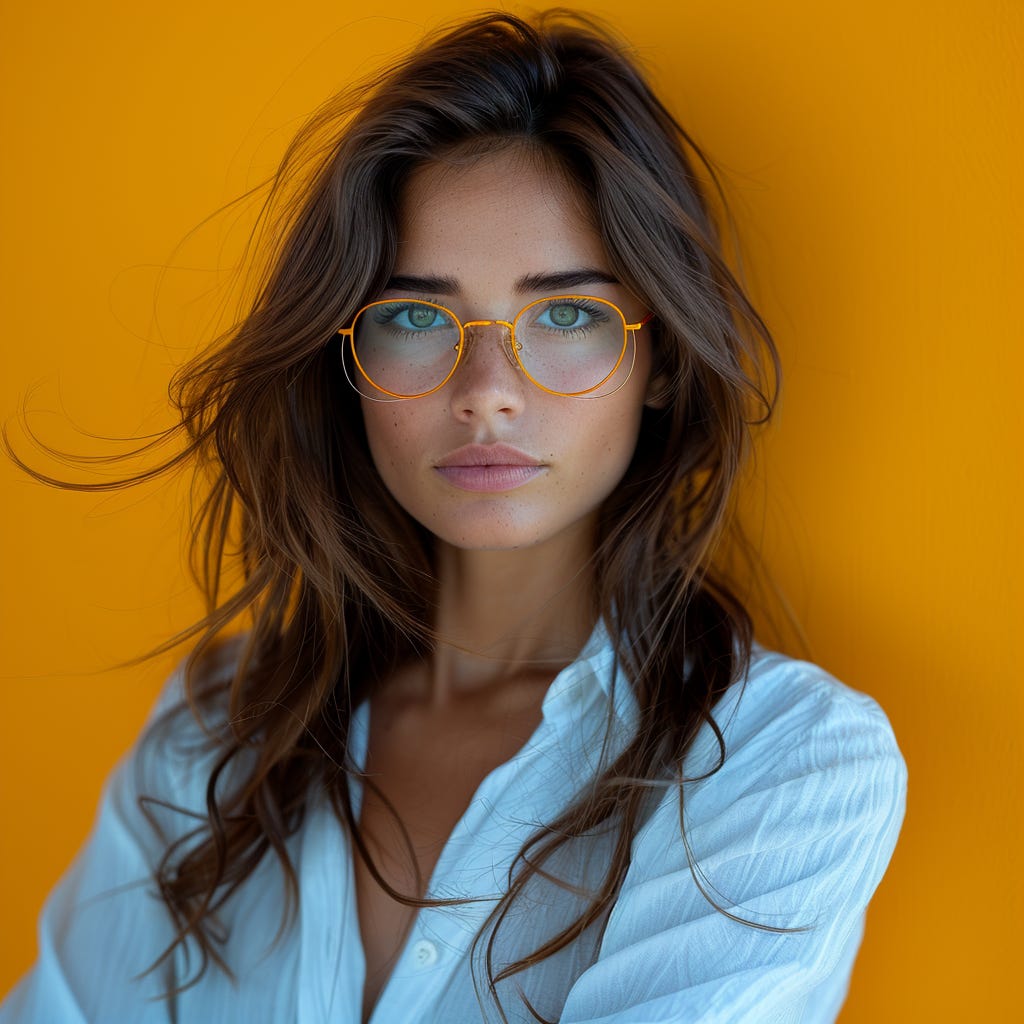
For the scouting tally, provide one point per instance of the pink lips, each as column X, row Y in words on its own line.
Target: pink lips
column 488, row 467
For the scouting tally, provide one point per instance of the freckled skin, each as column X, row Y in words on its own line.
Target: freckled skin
column 486, row 226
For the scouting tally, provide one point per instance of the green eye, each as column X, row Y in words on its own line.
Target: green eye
column 422, row 316
column 410, row 317
column 564, row 316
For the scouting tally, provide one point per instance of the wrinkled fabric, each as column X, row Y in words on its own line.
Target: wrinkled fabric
column 794, row 832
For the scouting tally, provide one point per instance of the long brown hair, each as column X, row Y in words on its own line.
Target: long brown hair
column 338, row 583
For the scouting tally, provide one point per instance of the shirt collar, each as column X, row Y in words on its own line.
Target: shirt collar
column 590, row 683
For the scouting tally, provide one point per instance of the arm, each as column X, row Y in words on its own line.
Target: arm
column 797, row 829
column 104, row 923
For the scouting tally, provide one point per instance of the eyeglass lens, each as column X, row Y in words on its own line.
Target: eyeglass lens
column 567, row 344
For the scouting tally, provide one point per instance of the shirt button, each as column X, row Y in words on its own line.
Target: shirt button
column 424, row 954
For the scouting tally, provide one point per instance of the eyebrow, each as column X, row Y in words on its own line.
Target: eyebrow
column 427, row 285
column 555, row 282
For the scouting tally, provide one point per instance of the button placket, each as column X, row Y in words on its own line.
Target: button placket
column 500, row 818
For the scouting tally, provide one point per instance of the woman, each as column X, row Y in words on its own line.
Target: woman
column 496, row 743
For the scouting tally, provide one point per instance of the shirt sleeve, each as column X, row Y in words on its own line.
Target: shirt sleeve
column 104, row 925
column 796, row 830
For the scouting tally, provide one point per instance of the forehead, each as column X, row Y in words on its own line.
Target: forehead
column 502, row 214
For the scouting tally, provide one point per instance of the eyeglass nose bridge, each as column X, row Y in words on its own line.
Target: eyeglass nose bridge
column 510, row 348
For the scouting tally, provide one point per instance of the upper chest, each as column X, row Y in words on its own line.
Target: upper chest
column 424, row 765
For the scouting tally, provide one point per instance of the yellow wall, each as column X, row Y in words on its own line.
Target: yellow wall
column 871, row 148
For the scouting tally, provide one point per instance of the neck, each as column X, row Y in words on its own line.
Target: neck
column 504, row 614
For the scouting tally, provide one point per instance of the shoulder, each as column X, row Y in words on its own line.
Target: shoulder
column 812, row 783
column 168, row 769
column 791, row 715
column 748, row 882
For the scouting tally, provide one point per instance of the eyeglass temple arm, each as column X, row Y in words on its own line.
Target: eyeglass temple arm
column 640, row 323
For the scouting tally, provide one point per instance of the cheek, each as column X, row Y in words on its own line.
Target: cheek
column 604, row 448
column 621, row 421
column 388, row 434
column 621, row 446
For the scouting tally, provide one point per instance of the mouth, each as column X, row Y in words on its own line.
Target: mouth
column 489, row 467
column 487, row 455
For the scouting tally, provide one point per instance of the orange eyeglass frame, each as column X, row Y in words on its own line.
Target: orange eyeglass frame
column 511, row 350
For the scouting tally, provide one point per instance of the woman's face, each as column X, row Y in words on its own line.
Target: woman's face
column 490, row 461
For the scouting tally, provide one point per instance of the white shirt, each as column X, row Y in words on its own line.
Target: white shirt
column 796, row 829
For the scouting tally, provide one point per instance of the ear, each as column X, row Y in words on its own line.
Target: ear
column 659, row 391
column 659, row 383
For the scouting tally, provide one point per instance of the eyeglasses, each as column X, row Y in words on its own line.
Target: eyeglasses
column 568, row 345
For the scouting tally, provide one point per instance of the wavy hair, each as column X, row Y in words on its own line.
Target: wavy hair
column 338, row 583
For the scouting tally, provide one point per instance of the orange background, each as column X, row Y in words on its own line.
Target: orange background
column 873, row 155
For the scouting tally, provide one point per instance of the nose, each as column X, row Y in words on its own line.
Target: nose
column 488, row 381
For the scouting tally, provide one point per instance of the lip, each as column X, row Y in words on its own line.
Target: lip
column 488, row 467
column 487, row 455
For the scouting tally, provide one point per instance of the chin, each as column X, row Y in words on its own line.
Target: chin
column 498, row 530
column 475, row 538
